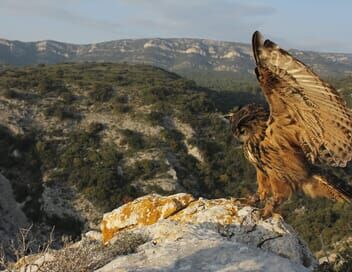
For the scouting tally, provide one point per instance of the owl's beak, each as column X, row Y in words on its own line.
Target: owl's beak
column 227, row 116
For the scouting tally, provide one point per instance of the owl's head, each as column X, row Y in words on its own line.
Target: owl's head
column 247, row 121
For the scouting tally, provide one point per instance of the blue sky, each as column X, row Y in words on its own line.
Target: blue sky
column 304, row 24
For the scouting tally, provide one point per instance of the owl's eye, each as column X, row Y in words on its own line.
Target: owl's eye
column 242, row 131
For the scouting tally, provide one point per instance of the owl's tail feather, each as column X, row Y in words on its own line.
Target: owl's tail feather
column 330, row 187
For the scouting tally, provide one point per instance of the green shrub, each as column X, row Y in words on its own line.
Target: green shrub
column 133, row 139
column 155, row 94
column 120, row 104
column 45, row 86
column 61, row 112
column 10, row 94
column 120, row 99
column 67, row 97
column 156, row 118
column 67, row 223
column 174, row 139
column 92, row 166
column 101, row 92
column 145, row 169
column 121, row 108
column 48, row 84
column 95, row 127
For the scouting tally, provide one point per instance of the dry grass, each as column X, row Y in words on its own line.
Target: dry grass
column 84, row 256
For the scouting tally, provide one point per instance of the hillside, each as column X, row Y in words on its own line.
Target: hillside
column 112, row 131
column 77, row 140
column 194, row 58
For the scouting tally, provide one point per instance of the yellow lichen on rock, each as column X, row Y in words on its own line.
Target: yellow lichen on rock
column 182, row 208
column 143, row 211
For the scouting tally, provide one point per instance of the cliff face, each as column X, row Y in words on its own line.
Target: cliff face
column 182, row 233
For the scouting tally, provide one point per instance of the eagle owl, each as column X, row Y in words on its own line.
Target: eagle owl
column 307, row 127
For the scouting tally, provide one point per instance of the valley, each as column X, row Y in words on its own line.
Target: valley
column 78, row 140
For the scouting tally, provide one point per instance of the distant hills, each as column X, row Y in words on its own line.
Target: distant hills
column 197, row 56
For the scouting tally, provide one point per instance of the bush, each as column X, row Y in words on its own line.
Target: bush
column 120, row 99
column 145, row 169
column 133, row 139
column 60, row 112
column 94, row 128
column 69, row 224
column 156, row 118
column 155, row 94
column 10, row 94
column 67, row 97
column 121, row 108
column 92, row 166
column 101, row 92
column 45, row 85
column 174, row 139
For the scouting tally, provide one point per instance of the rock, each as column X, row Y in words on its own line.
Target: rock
column 141, row 212
column 198, row 249
column 11, row 215
column 181, row 233
column 93, row 235
column 204, row 235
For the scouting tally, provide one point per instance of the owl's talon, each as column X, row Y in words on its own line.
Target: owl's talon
column 265, row 213
column 252, row 200
column 269, row 209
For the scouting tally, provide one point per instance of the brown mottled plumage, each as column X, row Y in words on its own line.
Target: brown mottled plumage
column 308, row 125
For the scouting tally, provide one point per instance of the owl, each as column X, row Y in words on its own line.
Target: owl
column 307, row 127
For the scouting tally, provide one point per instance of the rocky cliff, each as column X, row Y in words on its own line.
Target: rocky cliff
column 182, row 233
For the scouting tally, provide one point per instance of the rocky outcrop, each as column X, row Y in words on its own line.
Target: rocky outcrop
column 141, row 212
column 181, row 233
column 188, row 234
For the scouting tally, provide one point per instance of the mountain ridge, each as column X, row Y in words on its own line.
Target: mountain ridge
column 175, row 54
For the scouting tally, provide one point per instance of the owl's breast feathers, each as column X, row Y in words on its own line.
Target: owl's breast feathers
column 276, row 156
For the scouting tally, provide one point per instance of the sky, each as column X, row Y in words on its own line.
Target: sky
column 318, row 25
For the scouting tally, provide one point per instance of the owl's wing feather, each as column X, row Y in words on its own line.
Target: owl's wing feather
column 302, row 106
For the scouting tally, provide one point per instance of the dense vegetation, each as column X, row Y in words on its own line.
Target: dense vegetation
column 62, row 145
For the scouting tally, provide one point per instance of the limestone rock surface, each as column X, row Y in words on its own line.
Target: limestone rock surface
column 182, row 233
column 188, row 234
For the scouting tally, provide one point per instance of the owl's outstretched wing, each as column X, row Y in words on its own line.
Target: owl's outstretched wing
column 303, row 108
